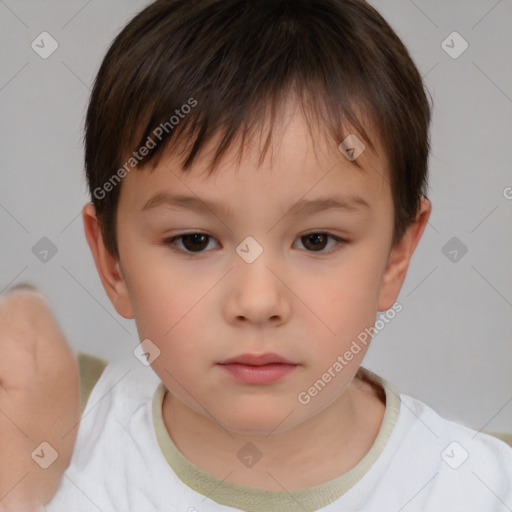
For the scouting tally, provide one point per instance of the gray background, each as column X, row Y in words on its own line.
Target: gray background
column 451, row 344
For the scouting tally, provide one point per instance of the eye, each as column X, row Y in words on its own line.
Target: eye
column 316, row 241
column 192, row 242
column 197, row 242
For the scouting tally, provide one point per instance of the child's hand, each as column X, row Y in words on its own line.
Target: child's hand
column 39, row 401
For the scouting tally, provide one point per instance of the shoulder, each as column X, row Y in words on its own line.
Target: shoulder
column 465, row 465
column 441, row 428
column 112, row 393
column 120, row 381
column 434, row 463
column 116, row 442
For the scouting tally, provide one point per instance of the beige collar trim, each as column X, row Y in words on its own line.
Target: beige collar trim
column 248, row 498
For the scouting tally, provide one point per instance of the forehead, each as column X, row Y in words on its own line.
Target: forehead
column 301, row 161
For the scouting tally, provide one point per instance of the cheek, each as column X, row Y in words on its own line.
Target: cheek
column 176, row 323
column 166, row 299
column 344, row 301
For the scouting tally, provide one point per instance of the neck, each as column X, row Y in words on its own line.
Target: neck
column 294, row 459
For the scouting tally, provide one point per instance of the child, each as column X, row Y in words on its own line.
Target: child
column 258, row 400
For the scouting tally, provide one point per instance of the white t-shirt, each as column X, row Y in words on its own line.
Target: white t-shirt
column 124, row 460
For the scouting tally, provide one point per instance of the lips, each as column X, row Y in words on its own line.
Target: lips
column 257, row 359
column 257, row 369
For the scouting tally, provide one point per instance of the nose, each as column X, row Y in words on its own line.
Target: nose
column 257, row 294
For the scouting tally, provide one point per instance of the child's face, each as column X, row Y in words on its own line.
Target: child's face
column 302, row 298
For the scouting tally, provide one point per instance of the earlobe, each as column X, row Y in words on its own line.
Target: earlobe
column 400, row 257
column 106, row 264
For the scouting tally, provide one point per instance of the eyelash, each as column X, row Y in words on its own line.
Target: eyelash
column 170, row 242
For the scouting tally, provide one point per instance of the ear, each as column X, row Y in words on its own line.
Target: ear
column 107, row 266
column 400, row 257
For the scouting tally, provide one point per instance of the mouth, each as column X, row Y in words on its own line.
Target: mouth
column 257, row 359
column 257, row 369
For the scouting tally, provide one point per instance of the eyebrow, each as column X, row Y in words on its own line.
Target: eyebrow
column 301, row 207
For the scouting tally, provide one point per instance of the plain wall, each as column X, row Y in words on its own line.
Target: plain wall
column 450, row 346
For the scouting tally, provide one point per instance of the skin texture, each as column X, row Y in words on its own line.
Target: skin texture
column 39, row 401
column 305, row 305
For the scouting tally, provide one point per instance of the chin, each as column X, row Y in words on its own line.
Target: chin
column 257, row 421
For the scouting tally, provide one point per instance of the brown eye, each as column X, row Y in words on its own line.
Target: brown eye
column 195, row 241
column 315, row 241
column 189, row 243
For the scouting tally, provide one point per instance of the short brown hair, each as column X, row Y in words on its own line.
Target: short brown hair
column 234, row 58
